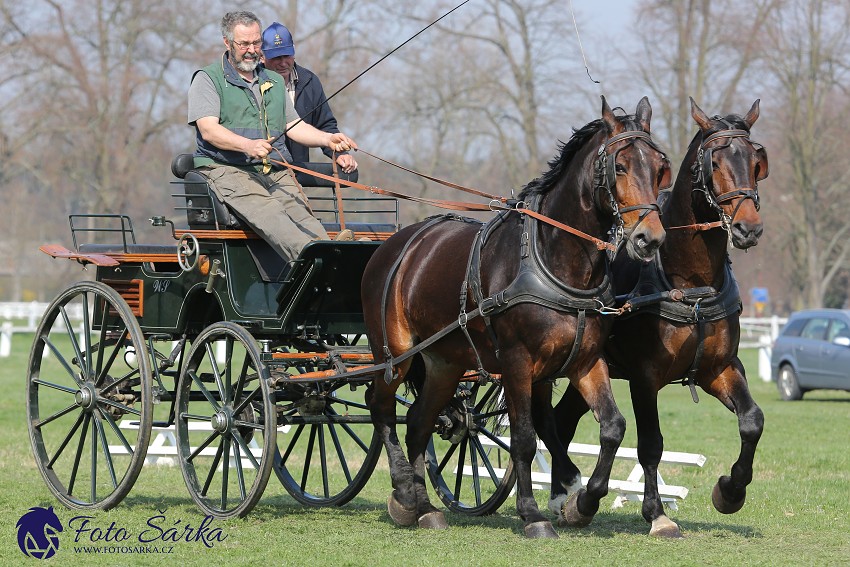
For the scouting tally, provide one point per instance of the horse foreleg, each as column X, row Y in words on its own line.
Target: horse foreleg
column 650, row 446
column 523, row 450
column 566, row 476
column 731, row 389
column 595, row 388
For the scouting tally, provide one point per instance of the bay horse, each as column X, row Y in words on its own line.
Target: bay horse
column 516, row 296
column 684, row 325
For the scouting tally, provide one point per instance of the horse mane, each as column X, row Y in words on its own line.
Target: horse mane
column 567, row 152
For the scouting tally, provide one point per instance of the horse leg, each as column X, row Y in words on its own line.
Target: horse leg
column 566, row 476
column 380, row 398
column 595, row 388
column 731, row 389
column 437, row 390
column 650, row 446
column 523, row 449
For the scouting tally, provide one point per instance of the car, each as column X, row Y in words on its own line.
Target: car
column 812, row 353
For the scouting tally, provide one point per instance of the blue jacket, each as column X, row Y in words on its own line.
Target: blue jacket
column 310, row 102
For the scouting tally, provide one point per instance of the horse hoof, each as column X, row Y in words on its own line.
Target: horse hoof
column 665, row 527
column 721, row 504
column 556, row 503
column 538, row 530
column 435, row 520
column 400, row 515
column 570, row 516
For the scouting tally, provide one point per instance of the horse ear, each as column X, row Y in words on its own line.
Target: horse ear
column 753, row 114
column 608, row 116
column 643, row 114
column 699, row 116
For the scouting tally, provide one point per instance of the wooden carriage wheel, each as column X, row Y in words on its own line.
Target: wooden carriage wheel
column 85, row 381
column 225, row 421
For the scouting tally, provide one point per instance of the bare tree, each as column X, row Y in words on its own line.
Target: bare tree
column 707, row 48
column 809, row 43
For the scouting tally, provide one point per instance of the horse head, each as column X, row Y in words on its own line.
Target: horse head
column 726, row 170
column 629, row 172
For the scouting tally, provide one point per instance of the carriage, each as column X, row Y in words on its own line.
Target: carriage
column 250, row 365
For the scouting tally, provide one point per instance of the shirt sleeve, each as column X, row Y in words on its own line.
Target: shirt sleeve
column 289, row 109
column 203, row 98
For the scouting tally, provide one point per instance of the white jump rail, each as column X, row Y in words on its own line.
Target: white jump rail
column 626, row 490
column 163, row 449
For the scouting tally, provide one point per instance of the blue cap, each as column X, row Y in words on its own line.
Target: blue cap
column 277, row 41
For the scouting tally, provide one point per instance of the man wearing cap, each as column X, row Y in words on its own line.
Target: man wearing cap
column 305, row 90
column 240, row 112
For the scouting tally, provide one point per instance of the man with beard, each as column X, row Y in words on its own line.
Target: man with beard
column 240, row 111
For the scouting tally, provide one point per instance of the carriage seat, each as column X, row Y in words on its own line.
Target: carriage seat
column 204, row 209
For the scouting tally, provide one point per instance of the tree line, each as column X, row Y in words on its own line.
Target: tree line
column 93, row 108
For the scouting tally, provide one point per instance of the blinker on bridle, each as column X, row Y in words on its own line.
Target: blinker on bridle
column 605, row 177
column 701, row 172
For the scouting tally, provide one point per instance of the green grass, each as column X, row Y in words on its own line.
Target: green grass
column 796, row 512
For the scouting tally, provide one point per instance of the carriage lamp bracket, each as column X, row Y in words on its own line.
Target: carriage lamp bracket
column 162, row 221
column 215, row 272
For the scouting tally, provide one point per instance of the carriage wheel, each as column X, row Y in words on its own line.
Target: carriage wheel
column 330, row 447
column 469, row 466
column 225, row 421
column 89, row 409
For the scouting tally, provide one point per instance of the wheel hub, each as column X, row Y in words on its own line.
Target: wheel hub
column 221, row 421
column 86, row 397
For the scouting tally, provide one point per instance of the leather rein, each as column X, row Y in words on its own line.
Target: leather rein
column 604, row 179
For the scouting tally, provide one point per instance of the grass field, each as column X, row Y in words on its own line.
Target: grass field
column 796, row 513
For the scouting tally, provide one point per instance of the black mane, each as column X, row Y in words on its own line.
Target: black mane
column 567, row 152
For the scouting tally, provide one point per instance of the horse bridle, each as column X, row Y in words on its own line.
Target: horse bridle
column 605, row 177
column 701, row 172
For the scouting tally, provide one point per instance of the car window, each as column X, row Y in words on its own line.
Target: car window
column 815, row 328
column 793, row 328
column 838, row 328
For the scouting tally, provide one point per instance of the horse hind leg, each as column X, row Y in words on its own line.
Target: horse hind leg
column 401, row 504
column 440, row 384
column 650, row 447
column 566, row 476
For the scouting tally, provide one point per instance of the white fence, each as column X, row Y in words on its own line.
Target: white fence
column 24, row 318
column 756, row 332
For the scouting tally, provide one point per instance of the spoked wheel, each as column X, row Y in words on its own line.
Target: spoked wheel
column 86, row 381
column 225, row 421
column 330, row 446
column 469, row 466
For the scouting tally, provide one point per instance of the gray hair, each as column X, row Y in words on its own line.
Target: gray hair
column 233, row 19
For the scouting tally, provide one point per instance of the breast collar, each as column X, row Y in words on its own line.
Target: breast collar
column 654, row 294
column 534, row 282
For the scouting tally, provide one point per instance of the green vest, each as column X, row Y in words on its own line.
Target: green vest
column 242, row 114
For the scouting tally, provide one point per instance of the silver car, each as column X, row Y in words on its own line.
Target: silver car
column 812, row 352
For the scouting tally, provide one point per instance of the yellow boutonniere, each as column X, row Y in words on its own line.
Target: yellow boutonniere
column 266, row 86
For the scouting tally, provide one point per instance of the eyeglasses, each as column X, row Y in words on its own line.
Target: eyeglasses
column 246, row 44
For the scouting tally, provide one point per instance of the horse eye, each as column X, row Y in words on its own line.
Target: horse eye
column 714, row 165
column 620, row 168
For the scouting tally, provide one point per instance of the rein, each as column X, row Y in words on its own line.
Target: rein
column 498, row 203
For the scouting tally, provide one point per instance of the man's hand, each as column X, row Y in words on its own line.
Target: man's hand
column 339, row 142
column 346, row 162
column 257, row 149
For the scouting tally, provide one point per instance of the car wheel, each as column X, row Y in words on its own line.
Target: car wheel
column 787, row 384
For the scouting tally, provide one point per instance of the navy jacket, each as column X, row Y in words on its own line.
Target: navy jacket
column 309, row 99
